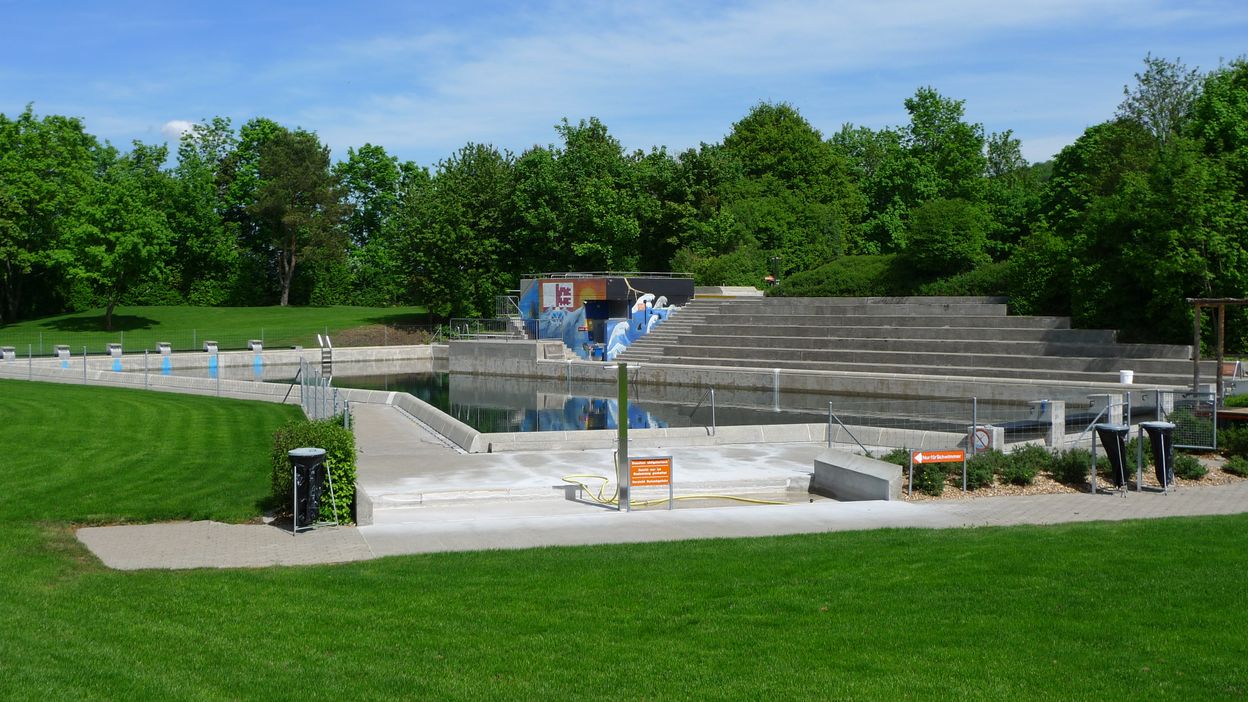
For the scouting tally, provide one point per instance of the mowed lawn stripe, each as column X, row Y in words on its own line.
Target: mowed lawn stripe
column 1086, row 611
column 90, row 454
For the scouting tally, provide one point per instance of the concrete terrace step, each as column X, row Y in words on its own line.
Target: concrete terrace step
column 889, row 320
column 937, row 345
column 942, row 359
column 1143, row 380
column 766, row 331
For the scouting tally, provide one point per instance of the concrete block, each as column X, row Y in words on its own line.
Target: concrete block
column 849, row 477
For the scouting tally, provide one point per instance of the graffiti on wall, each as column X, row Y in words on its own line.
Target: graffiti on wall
column 558, row 308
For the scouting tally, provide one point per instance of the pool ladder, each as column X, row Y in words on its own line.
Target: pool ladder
column 327, row 354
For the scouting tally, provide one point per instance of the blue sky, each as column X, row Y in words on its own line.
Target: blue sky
column 423, row 79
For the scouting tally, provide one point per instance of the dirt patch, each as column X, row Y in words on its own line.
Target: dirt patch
column 382, row 335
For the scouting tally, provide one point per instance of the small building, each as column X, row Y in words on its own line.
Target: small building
column 598, row 315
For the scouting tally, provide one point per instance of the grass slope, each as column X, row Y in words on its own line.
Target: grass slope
column 139, row 328
column 91, row 454
column 1133, row 610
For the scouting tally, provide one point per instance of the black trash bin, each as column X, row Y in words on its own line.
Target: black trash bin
column 1114, row 438
column 308, row 467
column 1161, row 437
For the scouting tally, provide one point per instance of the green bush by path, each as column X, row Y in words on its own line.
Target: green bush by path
column 1237, row 465
column 1188, row 467
column 980, row 469
column 139, row 328
column 339, row 445
column 1071, row 466
column 92, row 454
column 1025, row 463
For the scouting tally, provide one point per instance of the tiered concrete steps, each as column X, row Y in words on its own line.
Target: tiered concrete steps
column 966, row 337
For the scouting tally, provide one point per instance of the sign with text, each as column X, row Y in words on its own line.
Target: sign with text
column 651, row 471
column 950, row 456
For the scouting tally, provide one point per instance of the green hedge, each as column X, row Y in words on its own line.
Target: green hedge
column 339, row 445
column 849, row 276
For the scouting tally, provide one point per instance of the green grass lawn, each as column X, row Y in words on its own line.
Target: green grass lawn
column 138, row 328
column 1134, row 610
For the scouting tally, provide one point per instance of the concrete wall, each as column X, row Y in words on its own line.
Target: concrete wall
column 847, row 476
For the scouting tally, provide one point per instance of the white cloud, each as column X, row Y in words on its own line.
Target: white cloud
column 175, row 128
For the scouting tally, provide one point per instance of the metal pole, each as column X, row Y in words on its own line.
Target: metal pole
column 1092, row 477
column 145, row 369
column 30, row 363
column 1139, row 459
column 829, row 425
column 910, row 478
column 218, row 377
column 713, row 425
column 84, row 364
column 621, row 466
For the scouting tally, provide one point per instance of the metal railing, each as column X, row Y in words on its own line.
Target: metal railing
column 710, row 391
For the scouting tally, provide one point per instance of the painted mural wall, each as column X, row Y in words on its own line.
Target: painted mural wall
column 556, row 309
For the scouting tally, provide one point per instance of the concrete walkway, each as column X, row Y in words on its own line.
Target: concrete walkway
column 426, row 496
column 526, row 524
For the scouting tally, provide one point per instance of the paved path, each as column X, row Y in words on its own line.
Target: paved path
column 430, row 497
column 525, row 524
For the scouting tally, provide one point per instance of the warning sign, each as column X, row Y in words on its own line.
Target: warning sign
column 951, row 456
column 650, row 471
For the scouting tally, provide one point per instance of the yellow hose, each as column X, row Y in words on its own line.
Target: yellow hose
column 615, row 497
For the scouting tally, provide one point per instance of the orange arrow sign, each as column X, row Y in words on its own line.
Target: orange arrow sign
column 950, row 456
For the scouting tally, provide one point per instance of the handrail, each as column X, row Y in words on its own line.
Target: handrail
column 832, row 416
column 711, row 391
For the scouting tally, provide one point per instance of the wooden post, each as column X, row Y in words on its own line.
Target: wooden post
column 1195, row 347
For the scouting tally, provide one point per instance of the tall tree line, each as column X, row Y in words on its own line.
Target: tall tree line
column 1141, row 211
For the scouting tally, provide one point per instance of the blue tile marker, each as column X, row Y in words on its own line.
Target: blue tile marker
column 258, row 365
column 166, row 366
column 212, row 366
column 116, row 365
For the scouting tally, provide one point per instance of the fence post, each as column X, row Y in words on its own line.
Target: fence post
column 145, row 369
column 30, row 363
column 84, row 365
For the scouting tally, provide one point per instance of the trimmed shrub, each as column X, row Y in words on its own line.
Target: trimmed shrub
column 929, row 478
column 1188, row 468
column 981, row 467
column 1233, row 441
column 849, row 276
column 1237, row 465
column 1024, row 464
column 988, row 279
column 1071, row 466
column 900, row 456
column 1148, row 451
column 1236, row 401
column 978, row 473
column 339, row 445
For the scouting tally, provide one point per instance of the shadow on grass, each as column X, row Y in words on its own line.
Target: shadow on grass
column 121, row 323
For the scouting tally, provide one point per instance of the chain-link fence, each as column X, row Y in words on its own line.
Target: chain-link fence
column 872, row 424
